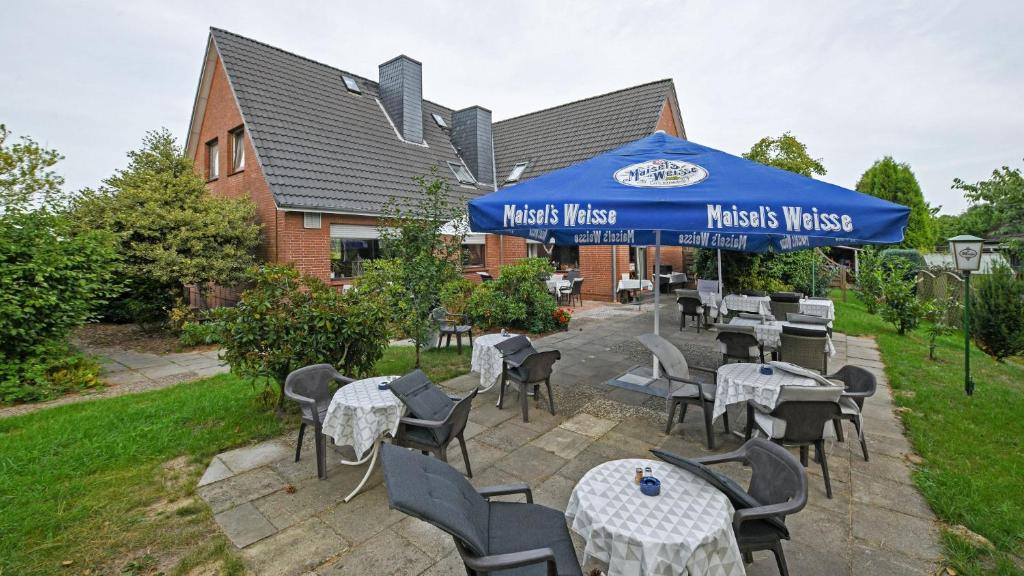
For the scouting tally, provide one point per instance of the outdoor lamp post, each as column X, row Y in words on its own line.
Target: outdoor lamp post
column 966, row 251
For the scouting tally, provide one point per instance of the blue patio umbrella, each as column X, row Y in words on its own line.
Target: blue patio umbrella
column 662, row 190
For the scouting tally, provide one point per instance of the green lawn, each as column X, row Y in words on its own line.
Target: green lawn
column 973, row 471
column 108, row 485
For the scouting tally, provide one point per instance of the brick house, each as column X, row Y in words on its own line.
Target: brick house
column 321, row 151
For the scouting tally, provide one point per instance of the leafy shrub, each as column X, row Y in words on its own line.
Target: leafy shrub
column 803, row 271
column 51, row 281
column 870, row 278
column 455, row 295
column 200, row 333
column 938, row 313
column 170, row 230
column 900, row 305
column 517, row 299
column 997, row 313
column 287, row 321
column 911, row 256
column 47, row 371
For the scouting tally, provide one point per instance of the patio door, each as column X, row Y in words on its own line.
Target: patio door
column 638, row 262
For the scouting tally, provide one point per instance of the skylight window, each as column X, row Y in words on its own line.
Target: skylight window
column 440, row 120
column 517, row 172
column 461, row 173
column 351, row 84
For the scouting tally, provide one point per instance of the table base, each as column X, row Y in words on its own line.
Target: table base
column 372, row 457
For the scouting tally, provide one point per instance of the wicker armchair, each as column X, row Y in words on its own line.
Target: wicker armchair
column 738, row 343
column 785, row 302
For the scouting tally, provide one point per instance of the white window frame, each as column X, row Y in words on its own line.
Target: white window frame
column 513, row 175
column 213, row 159
column 237, row 149
column 311, row 220
column 473, row 239
column 458, row 169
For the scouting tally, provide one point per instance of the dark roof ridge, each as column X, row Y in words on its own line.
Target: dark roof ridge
column 318, row 63
column 669, row 80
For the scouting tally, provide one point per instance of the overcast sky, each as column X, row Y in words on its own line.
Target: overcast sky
column 936, row 84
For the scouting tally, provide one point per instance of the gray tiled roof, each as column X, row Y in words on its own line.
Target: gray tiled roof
column 321, row 146
column 324, row 148
column 564, row 135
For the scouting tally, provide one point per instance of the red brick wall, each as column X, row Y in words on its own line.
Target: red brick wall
column 221, row 116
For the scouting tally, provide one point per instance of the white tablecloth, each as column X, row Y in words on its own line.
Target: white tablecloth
column 487, row 359
column 554, row 284
column 770, row 334
column 820, row 308
column 742, row 382
column 359, row 414
column 741, row 303
column 630, row 284
column 685, row 530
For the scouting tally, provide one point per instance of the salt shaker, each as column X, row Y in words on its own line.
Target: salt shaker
column 648, row 471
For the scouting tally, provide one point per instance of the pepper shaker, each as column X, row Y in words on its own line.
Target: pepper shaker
column 639, row 475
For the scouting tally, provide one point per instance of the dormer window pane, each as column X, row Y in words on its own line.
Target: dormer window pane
column 237, row 149
column 517, row 172
column 461, row 173
column 351, row 84
column 212, row 160
column 440, row 120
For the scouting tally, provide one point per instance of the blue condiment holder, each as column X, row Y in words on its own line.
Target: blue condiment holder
column 767, row 370
column 650, row 486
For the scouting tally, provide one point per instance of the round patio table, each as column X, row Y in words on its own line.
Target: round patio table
column 687, row 529
column 360, row 415
column 487, row 360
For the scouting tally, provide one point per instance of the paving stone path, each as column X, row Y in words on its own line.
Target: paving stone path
column 286, row 522
column 130, row 372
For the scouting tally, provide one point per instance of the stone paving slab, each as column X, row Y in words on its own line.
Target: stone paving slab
column 876, row 523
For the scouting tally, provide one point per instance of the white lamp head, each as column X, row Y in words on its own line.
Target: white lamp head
column 966, row 251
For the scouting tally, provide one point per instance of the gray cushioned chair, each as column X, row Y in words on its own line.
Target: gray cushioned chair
column 535, row 369
column 778, row 488
column 785, row 302
column 738, row 343
column 434, row 419
column 311, row 387
column 676, row 369
column 507, row 538
column 859, row 384
column 799, row 419
column 690, row 307
column 804, row 347
column 449, row 325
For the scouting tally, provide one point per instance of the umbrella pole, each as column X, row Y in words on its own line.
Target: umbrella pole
column 719, row 273
column 656, row 372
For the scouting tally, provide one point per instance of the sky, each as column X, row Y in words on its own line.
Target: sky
column 936, row 84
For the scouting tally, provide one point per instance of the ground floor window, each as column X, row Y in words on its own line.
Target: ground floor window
column 351, row 247
column 563, row 257
column 474, row 250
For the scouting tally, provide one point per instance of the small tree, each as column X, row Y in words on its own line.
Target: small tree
column 287, row 321
column 997, row 313
column 870, row 278
column 412, row 235
column 938, row 313
column 170, row 229
column 787, row 153
column 895, row 182
column 900, row 304
column 26, row 173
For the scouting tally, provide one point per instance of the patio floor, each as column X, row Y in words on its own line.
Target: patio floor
column 877, row 523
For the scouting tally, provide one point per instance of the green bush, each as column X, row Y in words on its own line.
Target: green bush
column 913, row 257
column 803, row 271
column 287, row 321
column 170, row 230
column 200, row 333
column 900, row 304
column 455, row 295
column 997, row 313
column 517, row 299
column 51, row 281
column 870, row 278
